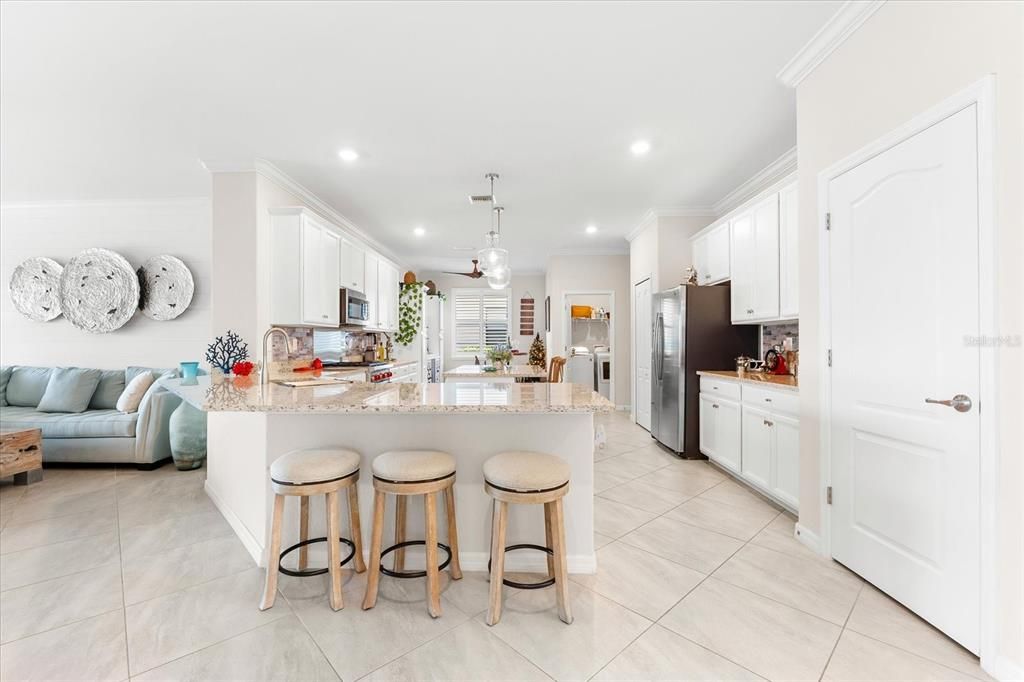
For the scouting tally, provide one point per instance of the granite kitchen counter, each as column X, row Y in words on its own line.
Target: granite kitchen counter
column 784, row 381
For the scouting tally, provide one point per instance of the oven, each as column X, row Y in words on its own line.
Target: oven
column 355, row 308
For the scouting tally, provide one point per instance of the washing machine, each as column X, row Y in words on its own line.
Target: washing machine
column 603, row 372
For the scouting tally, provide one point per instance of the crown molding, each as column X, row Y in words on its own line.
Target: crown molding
column 100, row 203
column 595, row 251
column 774, row 172
column 315, row 203
column 669, row 212
column 834, row 33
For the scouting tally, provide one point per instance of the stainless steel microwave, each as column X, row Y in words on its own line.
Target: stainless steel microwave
column 355, row 308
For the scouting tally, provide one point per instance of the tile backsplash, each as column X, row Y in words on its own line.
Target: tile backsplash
column 773, row 334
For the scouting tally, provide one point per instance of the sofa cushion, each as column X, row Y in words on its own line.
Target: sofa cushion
column 111, row 387
column 27, row 385
column 5, row 376
column 132, row 372
column 89, row 424
column 134, row 392
column 69, row 390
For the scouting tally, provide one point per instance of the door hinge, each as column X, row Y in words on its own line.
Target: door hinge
column 828, row 220
column 828, row 494
column 829, row 357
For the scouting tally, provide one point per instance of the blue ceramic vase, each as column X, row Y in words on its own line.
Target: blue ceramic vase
column 188, row 437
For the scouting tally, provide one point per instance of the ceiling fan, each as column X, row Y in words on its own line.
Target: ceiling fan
column 476, row 274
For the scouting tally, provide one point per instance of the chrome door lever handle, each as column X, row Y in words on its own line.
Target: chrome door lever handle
column 959, row 402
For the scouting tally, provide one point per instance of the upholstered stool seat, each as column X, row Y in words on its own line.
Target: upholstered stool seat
column 404, row 473
column 526, row 472
column 304, row 467
column 302, row 474
column 409, row 466
column 519, row 477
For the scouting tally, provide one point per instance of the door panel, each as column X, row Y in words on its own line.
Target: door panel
column 728, row 438
column 642, row 335
column 765, row 296
column 757, row 446
column 666, row 409
column 708, row 428
column 904, row 262
column 311, row 271
column 789, row 254
column 330, row 277
column 786, row 459
column 743, row 266
column 718, row 253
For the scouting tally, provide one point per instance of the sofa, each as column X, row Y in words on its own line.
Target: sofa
column 100, row 434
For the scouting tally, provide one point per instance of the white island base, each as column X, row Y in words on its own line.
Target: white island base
column 242, row 445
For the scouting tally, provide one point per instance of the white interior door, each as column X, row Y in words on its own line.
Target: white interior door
column 904, row 302
column 642, row 344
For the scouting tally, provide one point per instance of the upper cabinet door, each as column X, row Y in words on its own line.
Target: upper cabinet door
column 371, row 291
column 766, row 260
column 718, row 254
column 353, row 266
column 789, row 266
column 330, row 277
column 387, row 293
column 743, row 266
column 700, row 259
column 311, row 268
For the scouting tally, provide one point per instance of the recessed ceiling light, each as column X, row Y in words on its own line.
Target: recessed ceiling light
column 419, row 231
column 591, row 229
column 640, row 147
column 349, row 155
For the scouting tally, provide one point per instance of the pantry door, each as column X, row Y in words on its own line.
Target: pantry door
column 905, row 376
column 642, row 343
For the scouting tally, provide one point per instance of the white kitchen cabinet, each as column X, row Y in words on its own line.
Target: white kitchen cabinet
column 789, row 254
column 720, row 430
column 304, row 277
column 353, row 266
column 711, row 255
column 755, row 262
column 786, row 459
column 387, row 295
column 757, row 446
column 370, row 289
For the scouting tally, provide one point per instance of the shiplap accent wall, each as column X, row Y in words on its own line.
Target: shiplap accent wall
column 136, row 230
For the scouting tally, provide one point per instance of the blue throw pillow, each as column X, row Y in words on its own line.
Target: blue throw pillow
column 69, row 390
column 26, row 386
column 5, row 376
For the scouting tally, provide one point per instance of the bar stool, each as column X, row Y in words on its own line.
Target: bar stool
column 413, row 472
column 303, row 473
column 528, row 478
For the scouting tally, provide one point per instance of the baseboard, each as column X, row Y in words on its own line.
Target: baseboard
column 807, row 538
column 1002, row 668
column 254, row 547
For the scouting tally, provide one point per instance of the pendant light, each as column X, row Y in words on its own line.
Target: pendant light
column 498, row 272
column 492, row 256
column 500, row 279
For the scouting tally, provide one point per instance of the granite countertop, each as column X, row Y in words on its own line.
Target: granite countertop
column 515, row 371
column 784, row 381
column 232, row 395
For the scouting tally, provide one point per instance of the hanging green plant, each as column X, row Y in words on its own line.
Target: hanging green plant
column 410, row 312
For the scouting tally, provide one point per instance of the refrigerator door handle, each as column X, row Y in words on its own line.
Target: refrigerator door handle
column 659, row 333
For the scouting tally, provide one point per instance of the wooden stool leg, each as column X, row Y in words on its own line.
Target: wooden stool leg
column 334, row 549
column 400, row 514
column 497, row 560
column 549, row 540
column 355, row 528
column 433, row 578
column 273, row 554
column 561, row 573
column 303, row 531
column 376, row 536
column 454, row 568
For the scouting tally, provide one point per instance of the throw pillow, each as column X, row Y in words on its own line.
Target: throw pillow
column 26, row 386
column 111, row 387
column 5, row 376
column 69, row 389
column 134, row 392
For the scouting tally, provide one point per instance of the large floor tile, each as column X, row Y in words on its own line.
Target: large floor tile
column 604, row 480
column 779, row 535
column 626, row 468
column 645, row 496
column 281, row 650
column 861, row 658
column 358, row 642
column 699, row 549
column 615, row 520
column 601, row 540
column 18, row 536
column 882, row 618
column 177, row 531
column 640, row 581
column 51, row 507
column 468, row 652
column 91, row 649
column 43, row 606
column 613, row 449
column 652, row 455
column 177, row 501
column 804, row 584
column 768, row 638
column 689, row 478
column 153, row 575
column 28, row 566
column 660, row 654
column 600, row 630
column 736, row 522
column 163, row 629
column 733, row 493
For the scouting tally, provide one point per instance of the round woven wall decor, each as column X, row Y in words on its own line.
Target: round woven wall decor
column 166, row 287
column 35, row 289
column 99, row 291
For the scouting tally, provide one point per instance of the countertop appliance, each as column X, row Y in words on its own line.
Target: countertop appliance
column 355, row 308
column 691, row 330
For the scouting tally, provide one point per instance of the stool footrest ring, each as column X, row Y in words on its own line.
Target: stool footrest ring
column 413, row 574
column 313, row 571
column 527, row 586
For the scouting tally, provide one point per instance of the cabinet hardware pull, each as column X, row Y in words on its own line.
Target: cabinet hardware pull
column 767, row 400
column 714, row 406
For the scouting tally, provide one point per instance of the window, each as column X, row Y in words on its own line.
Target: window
column 482, row 320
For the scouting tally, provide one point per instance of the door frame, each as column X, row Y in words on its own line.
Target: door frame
column 981, row 94
column 567, row 327
column 649, row 277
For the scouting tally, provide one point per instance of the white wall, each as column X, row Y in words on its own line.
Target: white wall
column 594, row 273
column 905, row 59
column 136, row 230
column 520, row 286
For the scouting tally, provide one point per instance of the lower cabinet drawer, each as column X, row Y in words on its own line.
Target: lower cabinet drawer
column 730, row 390
column 787, row 402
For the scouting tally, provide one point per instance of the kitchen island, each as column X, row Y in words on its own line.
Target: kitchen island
column 504, row 375
column 249, row 426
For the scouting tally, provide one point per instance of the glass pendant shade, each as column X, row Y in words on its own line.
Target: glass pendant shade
column 492, row 257
column 500, row 278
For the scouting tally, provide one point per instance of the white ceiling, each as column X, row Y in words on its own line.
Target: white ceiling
column 120, row 101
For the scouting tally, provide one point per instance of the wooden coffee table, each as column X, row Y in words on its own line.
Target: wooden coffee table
column 21, row 455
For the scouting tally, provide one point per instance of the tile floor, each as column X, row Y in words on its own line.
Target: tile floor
column 107, row 574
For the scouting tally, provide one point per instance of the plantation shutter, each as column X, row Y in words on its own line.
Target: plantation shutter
column 482, row 320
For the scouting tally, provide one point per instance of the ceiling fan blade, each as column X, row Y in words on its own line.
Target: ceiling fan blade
column 464, row 274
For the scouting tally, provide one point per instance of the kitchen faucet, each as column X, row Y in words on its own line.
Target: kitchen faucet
column 265, row 374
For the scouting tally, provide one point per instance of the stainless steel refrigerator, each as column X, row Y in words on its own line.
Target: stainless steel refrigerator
column 691, row 331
